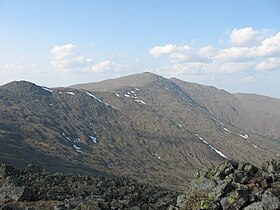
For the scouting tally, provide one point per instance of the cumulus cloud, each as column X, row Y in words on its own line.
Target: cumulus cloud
column 177, row 53
column 100, row 67
column 249, row 49
column 248, row 36
column 168, row 50
column 268, row 64
column 243, row 36
column 66, row 57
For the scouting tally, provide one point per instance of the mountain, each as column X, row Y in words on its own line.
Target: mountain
column 255, row 113
column 143, row 126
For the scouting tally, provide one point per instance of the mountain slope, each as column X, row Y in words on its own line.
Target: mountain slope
column 255, row 113
column 143, row 126
column 190, row 111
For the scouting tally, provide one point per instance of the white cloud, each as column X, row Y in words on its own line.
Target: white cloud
column 268, row 64
column 235, row 54
column 248, row 36
column 65, row 57
column 243, row 37
column 207, row 51
column 251, row 50
column 270, row 47
column 100, row 67
column 167, row 50
column 177, row 53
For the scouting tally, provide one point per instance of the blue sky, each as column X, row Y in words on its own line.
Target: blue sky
column 233, row 45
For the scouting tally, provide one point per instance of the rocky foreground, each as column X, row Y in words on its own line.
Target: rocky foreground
column 38, row 189
column 231, row 185
column 234, row 185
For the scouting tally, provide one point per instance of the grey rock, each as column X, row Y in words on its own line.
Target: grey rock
column 11, row 192
column 255, row 206
column 63, row 206
column 11, row 207
column 6, row 170
column 270, row 201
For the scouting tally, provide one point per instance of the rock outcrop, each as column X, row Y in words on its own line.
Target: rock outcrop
column 234, row 185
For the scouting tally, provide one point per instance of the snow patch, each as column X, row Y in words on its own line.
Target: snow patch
column 218, row 152
column 93, row 96
column 140, row 102
column 227, row 130
column 76, row 147
column 202, row 139
column 77, row 140
column 245, row 136
column 47, row 89
column 70, row 93
column 213, row 148
column 99, row 100
column 68, row 138
column 157, row 156
column 93, row 139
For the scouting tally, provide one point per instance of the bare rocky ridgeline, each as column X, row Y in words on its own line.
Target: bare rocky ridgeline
column 231, row 185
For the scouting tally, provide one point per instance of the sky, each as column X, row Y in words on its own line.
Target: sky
column 232, row 45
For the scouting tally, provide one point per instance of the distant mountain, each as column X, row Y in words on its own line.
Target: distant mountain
column 143, row 126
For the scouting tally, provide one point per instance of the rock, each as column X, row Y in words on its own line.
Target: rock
column 235, row 200
column 270, row 200
column 33, row 169
column 63, row 206
column 74, row 202
column 181, row 199
column 7, row 170
column 135, row 208
column 233, row 185
column 11, row 191
column 116, row 204
column 11, row 207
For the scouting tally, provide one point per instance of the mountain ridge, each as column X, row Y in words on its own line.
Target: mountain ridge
column 146, row 127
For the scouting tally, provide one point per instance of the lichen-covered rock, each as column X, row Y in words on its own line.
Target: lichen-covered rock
column 234, row 185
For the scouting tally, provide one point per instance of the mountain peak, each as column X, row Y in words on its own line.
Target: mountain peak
column 134, row 80
column 23, row 86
